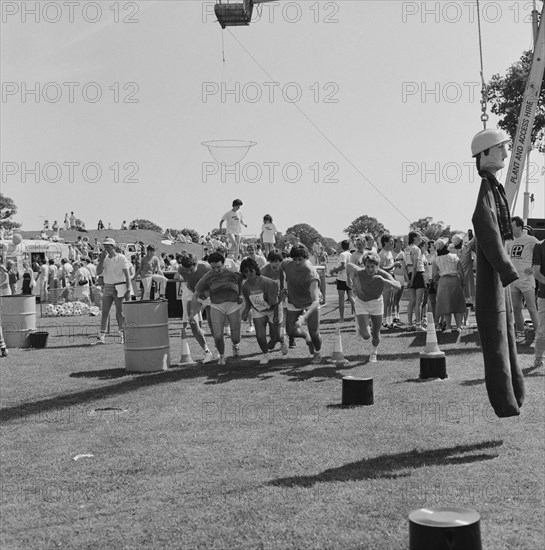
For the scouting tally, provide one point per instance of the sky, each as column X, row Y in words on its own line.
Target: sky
column 355, row 107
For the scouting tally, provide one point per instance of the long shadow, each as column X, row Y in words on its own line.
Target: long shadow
column 476, row 382
column 135, row 382
column 394, row 465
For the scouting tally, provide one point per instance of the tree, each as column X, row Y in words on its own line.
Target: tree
column 146, row 224
column 305, row 233
column 365, row 224
column 191, row 233
column 506, row 94
column 215, row 233
column 430, row 229
column 330, row 244
column 8, row 209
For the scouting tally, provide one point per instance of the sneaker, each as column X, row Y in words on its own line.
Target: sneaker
column 4, row 352
column 373, row 358
column 420, row 328
column 537, row 362
column 227, row 331
column 447, row 331
column 284, row 348
column 221, row 360
column 264, row 360
column 317, row 359
column 292, row 342
column 100, row 339
column 250, row 329
column 520, row 337
column 271, row 345
column 236, row 350
column 208, row 357
column 121, row 338
column 310, row 346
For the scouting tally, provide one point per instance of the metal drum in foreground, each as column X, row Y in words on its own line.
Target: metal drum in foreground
column 18, row 319
column 147, row 345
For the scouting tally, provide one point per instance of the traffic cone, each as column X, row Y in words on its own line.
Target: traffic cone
column 186, row 353
column 432, row 359
column 337, row 356
column 432, row 347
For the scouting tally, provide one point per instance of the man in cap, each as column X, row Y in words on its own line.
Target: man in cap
column 114, row 269
column 493, row 308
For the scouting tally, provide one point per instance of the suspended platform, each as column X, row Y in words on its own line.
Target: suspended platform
column 234, row 14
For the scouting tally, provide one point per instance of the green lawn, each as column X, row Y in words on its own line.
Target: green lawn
column 244, row 456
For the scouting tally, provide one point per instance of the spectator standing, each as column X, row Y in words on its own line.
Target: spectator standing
column 538, row 268
column 520, row 251
column 72, row 220
column 115, row 271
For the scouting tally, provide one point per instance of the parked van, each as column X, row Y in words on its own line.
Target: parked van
column 31, row 251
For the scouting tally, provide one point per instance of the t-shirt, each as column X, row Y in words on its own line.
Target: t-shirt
column 344, row 259
column 191, row 279
column 539, row 259
column 225, row 286
column 298, row 280
column 520, row 252
column 413, row 255
column 233, row 222
column 148, row 266
column 356, row 258
column 386, row 259
column 112, row 272
column 367, row 287
column 268, row 271
column 269, row 231
column 262, row 294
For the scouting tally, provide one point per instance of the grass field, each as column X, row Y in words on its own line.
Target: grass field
column 250, row 457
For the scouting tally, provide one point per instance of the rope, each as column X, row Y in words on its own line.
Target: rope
column 484, row 94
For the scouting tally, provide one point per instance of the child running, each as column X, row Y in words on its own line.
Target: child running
column 368, row 284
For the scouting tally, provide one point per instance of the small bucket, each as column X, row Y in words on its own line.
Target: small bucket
column 37, row 339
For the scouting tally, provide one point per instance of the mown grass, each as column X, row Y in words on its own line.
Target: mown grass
column 245, row 456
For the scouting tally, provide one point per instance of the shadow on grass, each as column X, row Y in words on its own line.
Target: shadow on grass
column 394, row 465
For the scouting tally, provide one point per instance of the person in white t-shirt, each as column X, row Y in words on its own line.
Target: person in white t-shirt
column 234, row 222
column 520, row 251
column 268, row 234
column 115, row 271
column 342, row 284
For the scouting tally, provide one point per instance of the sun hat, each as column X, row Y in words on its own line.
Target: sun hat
column 109, row 240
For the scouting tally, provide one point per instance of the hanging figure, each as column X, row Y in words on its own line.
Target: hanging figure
column 494, row 311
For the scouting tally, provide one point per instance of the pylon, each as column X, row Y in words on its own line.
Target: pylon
column 337, row 356
column 432, row 347
column 186, row 353
column 432, row 359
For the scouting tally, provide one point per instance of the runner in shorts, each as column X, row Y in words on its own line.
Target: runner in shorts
column 368, row 283
column 225, row 289
column 191, row 272
column 274, row 271
column 261, row 295
column 303, row 285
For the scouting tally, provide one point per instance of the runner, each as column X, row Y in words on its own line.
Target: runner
column 303, row 285
column 273, row 270
column 191, row 272
column 261, row 295
column 368, row 283
column 225, row 289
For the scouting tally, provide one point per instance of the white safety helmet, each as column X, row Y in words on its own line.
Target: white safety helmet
column 486, row 139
